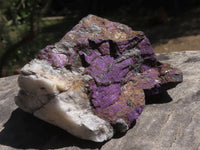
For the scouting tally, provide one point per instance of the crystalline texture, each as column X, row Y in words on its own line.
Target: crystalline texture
column 94, row 79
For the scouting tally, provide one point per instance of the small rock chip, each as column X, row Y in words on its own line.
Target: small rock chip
column 93, row 82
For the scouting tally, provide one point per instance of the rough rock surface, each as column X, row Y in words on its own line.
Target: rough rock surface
column 168, row 122
column 94, row 81
column 70, row 109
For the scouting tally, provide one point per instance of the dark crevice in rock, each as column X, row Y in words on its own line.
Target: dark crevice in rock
column 133, row 53
column 149, row 63
column 136, row 41
column 84, row 62
column 113, row 49
column 107, row 83
column 94, row 45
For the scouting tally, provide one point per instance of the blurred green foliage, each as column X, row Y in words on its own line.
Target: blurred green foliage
column 17, row 21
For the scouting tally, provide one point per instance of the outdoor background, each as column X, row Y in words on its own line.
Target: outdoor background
column 27, row 26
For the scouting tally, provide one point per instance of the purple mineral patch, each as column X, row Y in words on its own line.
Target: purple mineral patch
column 120, row 61
column 57, row 60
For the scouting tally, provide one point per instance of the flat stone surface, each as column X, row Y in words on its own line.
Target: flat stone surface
column 169, row 121
column 93, row 82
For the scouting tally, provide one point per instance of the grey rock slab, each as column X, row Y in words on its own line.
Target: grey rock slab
column 173, row 125
column 169, row 121
column 8, row 90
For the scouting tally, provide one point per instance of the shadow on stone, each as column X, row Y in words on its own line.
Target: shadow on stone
column 158, row 99
column 120, row 134
column 24, row 131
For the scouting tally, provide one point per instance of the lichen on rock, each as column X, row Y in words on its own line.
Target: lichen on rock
column 95, row 78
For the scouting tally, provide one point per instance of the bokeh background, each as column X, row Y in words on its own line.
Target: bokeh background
column 26, row 26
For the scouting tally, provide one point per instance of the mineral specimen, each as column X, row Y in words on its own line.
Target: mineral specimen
column 93, row 82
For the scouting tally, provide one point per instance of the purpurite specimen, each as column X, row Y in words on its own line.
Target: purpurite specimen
column 101, row 72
